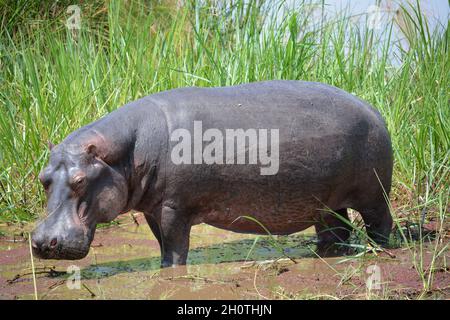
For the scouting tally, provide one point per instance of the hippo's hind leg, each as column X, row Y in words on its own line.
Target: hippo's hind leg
column 332, row 228
column 378, row 222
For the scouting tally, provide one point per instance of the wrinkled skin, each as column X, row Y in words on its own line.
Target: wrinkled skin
column 335, row 154
column 82, row 191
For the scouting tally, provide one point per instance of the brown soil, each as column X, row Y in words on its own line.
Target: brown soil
column 123, row 263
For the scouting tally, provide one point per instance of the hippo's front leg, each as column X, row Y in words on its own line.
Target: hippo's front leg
column 171, row 228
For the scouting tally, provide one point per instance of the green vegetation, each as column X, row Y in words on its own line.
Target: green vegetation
column 54, row 80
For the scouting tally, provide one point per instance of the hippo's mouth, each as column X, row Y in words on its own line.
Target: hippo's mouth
column 67, row 249
column 63, row 253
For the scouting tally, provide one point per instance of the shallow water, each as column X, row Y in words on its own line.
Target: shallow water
column 123, row 263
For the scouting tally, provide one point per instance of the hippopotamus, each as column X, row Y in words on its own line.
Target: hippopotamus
column 332, row 153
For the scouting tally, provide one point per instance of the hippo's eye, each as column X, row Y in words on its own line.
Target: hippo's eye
column 78, row 181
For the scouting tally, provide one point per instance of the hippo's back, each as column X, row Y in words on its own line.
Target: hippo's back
column 308, row 108
column 330, row 142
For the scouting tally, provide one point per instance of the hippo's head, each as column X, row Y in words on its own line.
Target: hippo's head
column 83, row 189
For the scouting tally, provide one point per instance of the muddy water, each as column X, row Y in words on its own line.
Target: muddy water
column 123, row 263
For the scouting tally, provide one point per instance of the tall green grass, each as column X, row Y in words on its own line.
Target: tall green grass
column 53, row 80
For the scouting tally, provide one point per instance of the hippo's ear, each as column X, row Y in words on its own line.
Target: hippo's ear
column 101, row 148
column 97, row 152
column 93, row 150
column 50, row 145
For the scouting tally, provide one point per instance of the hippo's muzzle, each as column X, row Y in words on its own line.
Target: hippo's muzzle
column 54, row 240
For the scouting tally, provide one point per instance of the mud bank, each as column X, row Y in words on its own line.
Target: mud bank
column 123, row 263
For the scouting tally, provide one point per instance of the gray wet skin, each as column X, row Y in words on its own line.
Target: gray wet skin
column 331, row 145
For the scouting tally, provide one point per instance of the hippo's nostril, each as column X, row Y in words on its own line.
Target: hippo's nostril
column 53, row 243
